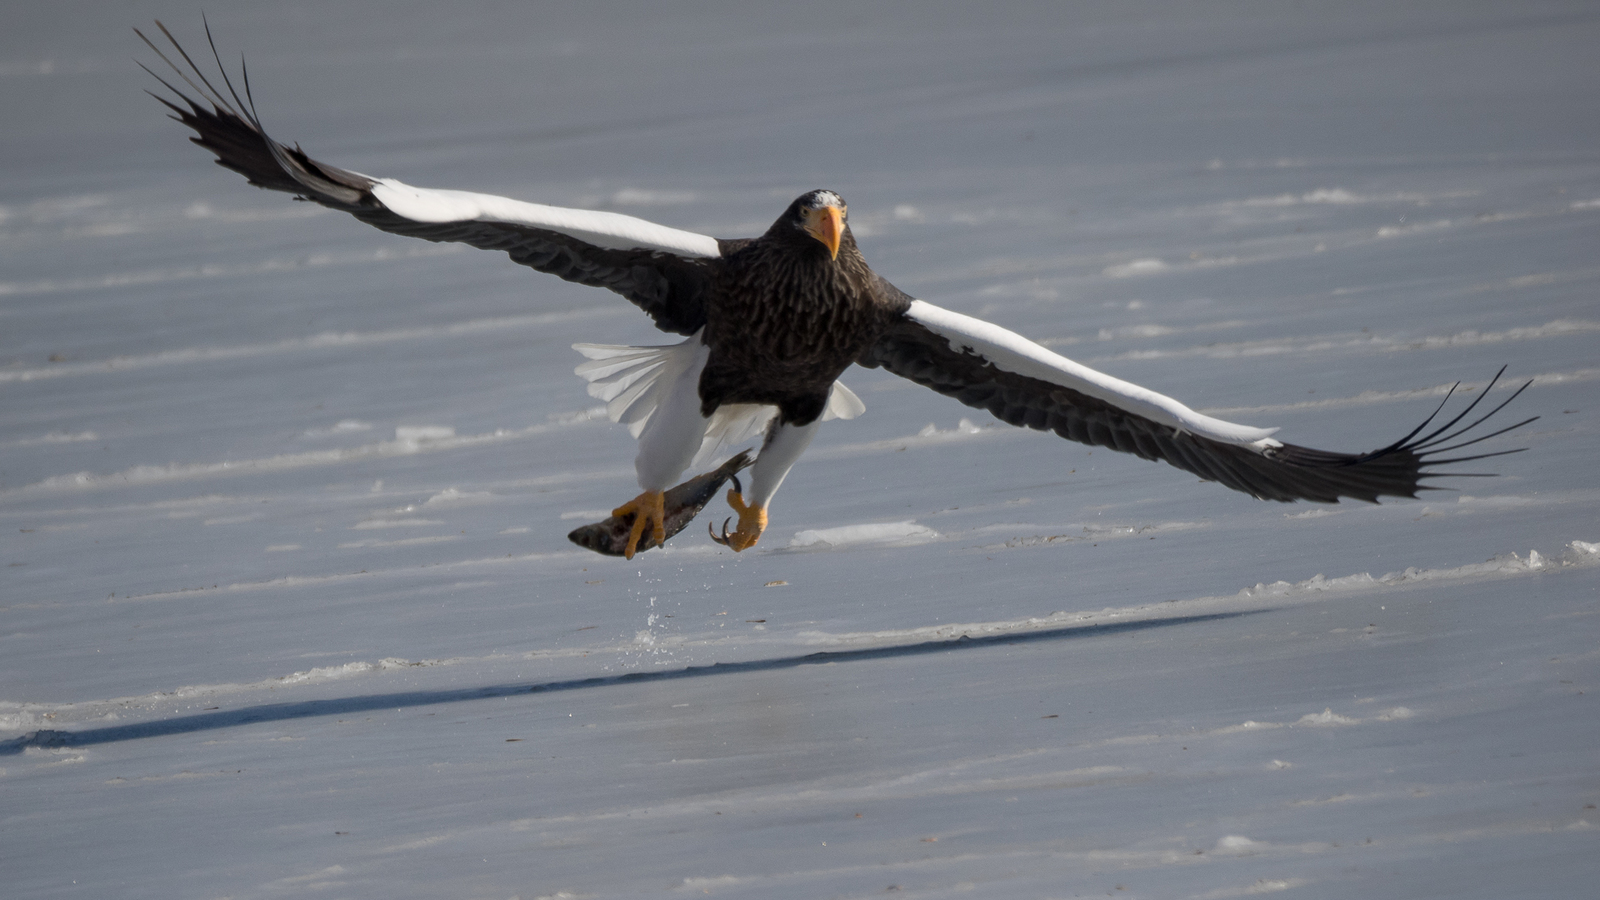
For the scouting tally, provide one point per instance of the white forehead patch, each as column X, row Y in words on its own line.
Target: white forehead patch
column 820, row 199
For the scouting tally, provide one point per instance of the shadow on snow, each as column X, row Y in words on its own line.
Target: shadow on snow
column 279, row 712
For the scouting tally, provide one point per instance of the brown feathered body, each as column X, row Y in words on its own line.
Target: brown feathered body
column 784, row 320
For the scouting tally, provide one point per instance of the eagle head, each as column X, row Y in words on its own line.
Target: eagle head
column 820, row 214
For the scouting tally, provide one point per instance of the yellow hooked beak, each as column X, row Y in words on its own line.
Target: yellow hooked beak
column 826, row 225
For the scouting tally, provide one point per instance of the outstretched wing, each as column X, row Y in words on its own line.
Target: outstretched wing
column 1023, row 383
column 664, row 271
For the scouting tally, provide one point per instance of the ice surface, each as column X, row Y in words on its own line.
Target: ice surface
column 286, row 602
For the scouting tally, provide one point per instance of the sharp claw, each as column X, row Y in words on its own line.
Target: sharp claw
column 736, row 485
column 724, row 539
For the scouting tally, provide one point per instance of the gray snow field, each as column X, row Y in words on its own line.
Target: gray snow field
column 286, row 602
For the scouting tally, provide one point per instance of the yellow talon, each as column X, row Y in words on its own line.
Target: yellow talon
column 649, row 511
column 752, row 521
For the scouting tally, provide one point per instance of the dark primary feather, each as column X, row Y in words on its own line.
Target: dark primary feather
column 1285, row 473
column 670, row 288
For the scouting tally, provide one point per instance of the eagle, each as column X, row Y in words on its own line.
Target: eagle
column 771, row 322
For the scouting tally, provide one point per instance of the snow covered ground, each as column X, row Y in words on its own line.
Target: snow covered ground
column 286, row 602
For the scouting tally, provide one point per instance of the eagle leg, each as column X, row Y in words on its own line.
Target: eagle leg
column 752, row 521
column 649, row 512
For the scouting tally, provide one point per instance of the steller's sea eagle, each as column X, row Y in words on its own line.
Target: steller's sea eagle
column 770, row 324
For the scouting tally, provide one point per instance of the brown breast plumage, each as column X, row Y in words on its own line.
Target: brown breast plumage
column 785, row 320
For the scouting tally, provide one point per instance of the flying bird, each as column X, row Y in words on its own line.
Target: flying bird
column 771, row 322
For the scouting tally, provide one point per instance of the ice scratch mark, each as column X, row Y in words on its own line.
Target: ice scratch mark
column 456, row 497
column 322, row 341
column 1367, row 398
column 162, row 276
column 314, row 881
column 1343, row 197
column 1388, row 231
column 1135, row 267
column 403, row 542
column 929, row 435
column 1261, row 596
column 652, row 197
column 20, row 716
column 1538, row 279
column 1363, row 342
column 303, row 581
column 345, row 426
column 394, row 523
column 1076, row 533
column 1327, row 717
column 1238, row 845
column 54, row 437
column 1148, row 330
column 1259, row 886
column 407, row 446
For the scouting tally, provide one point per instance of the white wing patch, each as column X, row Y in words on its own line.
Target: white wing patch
column 1014, row 353
column 633, row 381
column 612, row 231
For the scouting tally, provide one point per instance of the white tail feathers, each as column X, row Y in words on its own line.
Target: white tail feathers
column 843, row 403
column 633, row 381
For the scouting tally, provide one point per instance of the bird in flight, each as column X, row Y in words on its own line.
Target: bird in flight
column 771, row 322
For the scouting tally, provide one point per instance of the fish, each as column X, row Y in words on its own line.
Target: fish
column 682, row 503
